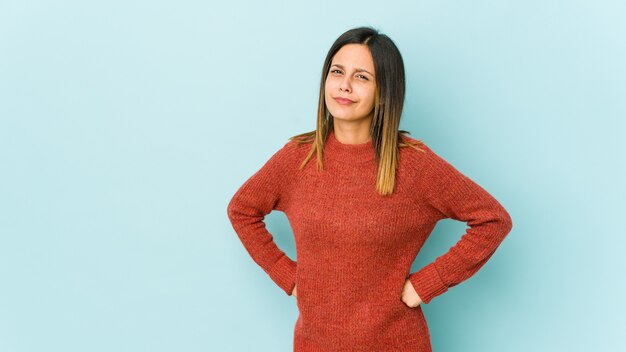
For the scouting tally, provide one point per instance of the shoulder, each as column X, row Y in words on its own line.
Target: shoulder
column 414, row 150
column 421, row 159
column 290, row 154
column 294, row 147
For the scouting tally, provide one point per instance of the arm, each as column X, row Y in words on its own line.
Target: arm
column 263, row 192
column 453, row 195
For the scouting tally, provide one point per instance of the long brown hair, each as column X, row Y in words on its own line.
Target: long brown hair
column 388, row 103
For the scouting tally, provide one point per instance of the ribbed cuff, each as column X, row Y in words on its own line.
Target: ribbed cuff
column 283, row 273
column 427, row 283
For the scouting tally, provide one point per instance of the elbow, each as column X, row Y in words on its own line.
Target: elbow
column 231, row 209
column 506, row 222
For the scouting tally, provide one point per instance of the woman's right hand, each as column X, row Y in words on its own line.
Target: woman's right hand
column 294, row 293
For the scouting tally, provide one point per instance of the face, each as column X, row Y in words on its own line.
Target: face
column 350, row 87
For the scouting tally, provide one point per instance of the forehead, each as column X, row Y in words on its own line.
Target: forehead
column 354, row 56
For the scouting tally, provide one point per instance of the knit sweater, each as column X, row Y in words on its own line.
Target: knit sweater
column 354, row 247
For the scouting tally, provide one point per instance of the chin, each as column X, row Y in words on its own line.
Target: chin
column 346, row 118
column 341, row 115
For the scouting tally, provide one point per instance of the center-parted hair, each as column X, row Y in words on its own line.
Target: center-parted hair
column 388, row 104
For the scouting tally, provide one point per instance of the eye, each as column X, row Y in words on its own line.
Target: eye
column 363, row 77
column 335, row 71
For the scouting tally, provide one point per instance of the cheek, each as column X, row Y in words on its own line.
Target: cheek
column 327, row 94
column 328, row 86
column 369, row 97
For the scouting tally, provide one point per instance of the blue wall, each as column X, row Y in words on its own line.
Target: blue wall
column 126, row 126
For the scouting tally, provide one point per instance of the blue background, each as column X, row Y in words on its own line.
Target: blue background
column 126, row 126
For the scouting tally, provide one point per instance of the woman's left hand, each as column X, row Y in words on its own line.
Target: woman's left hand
column 409, row 295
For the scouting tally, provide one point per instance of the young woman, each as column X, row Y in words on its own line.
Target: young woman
column 362, row 197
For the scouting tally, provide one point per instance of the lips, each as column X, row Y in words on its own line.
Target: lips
column 343, row 101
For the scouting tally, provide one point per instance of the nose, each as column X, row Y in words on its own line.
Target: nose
column 344, row 86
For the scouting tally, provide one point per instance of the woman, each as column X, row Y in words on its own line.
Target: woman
column 361, row 212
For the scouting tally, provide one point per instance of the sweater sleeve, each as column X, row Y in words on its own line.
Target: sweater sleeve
column 264, row 191
column 453, row 195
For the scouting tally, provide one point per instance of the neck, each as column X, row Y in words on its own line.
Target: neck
column 354, row 153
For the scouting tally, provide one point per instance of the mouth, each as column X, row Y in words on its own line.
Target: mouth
column 343, row 101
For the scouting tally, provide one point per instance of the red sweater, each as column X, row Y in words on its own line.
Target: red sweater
column 354, row 248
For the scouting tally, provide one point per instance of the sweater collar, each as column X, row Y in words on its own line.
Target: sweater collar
column 350, row 153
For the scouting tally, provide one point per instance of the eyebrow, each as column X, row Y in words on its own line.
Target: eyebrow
column 357, row 70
